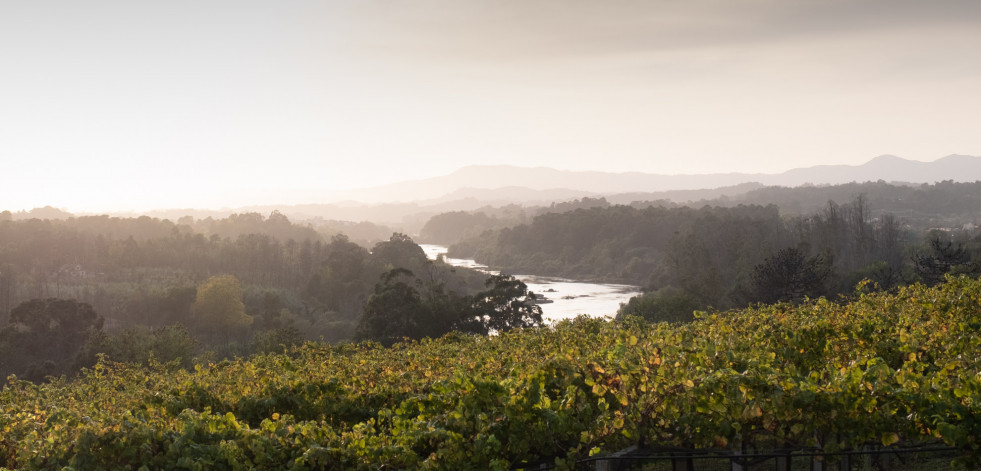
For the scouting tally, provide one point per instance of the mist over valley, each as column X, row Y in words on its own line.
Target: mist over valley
column 529, row 235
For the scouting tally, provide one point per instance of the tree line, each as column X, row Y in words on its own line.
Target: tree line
column 921, row 207
column 129, row 286
column 723, row 257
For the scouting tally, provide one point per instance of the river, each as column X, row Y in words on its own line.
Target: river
column 569, row 298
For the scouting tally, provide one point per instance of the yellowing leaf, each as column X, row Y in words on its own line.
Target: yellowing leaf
column 752, row 412
column 889, row 438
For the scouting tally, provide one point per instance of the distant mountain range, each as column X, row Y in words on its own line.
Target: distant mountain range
column 408, row 205
column 522, row 184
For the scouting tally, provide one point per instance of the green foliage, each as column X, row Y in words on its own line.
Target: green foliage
column 126, row 267
column 172, row 306
column 665, row 305
column 939, row 204
column 449, row 228
column 8, row 283
column 277, row 340
column 218, row 305
column 629, row 244
column 789, row 275
column 276, row 226
column 399, row 310
column 943, row 258
column 430, row 290
column 855, row 242
column 888, row 369
column 719, row 257
column 43, row 336
column 345, row 277
column 54, row 319
column 399, row 252
column 364, row 233
column 142, row 346
column 506, row 304
column 395, row 310
column 142, row 273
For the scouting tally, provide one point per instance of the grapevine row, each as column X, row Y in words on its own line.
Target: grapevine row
column 880, row 368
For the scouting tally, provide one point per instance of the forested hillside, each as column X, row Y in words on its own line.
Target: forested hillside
column 136, row 288
column 728, row 256
column 451, row 227
column 656, row 245
column 880, row 369
column 941, row 204
column 921, row 207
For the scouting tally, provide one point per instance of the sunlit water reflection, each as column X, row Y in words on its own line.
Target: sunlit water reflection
column 569, row 298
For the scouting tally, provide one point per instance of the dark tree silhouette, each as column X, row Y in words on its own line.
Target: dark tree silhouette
column 506, row 305
column 395, row 310
column 44, row 335
column 789, row 275
column 943, row 258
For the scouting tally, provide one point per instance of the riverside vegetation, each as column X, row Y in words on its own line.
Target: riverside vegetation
column 717, row 257
column 141, row 342
column 135, row 288
column 876, row 368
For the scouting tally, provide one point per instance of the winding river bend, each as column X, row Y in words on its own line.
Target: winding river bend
column 569, row 298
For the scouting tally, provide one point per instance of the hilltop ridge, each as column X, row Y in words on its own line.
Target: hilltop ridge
column 889, row 168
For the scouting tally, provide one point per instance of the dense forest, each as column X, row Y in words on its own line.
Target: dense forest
column 190, row 288
column 941, row 204
column 920, row 207
column 726, row 256
column 659, row 246
column 132, row 288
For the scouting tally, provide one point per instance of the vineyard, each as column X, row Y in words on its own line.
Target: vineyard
column 883, row 369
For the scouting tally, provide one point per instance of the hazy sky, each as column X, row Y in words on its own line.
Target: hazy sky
column 138, row 104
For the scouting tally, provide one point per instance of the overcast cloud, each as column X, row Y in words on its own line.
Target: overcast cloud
column 121, row 104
